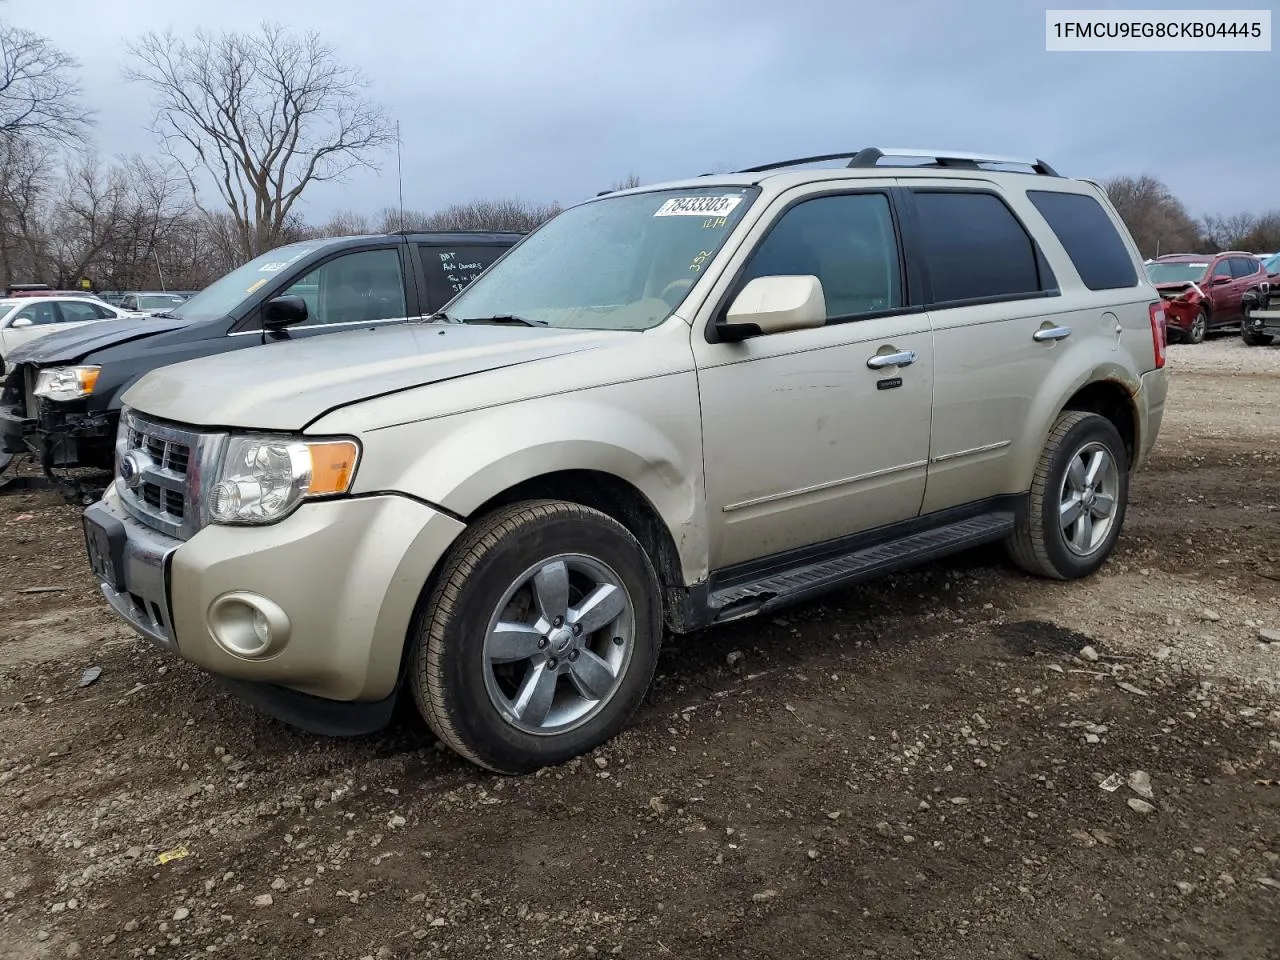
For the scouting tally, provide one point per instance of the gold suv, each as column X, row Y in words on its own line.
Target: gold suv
column 667, row 408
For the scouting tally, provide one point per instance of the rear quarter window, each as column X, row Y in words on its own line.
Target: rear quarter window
column 1090, row 238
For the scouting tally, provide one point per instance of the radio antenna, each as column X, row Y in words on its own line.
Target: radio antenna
column 399, row 176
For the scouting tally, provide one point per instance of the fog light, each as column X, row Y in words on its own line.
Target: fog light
column 248, row 626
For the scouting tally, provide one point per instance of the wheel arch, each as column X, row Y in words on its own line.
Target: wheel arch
column 616, row 498
column 1112, row 400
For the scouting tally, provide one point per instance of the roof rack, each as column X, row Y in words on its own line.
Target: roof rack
column 871, row 157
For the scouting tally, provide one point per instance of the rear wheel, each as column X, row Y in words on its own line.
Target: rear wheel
column 540, row 638
column 1199, row 327
column 1077, row 502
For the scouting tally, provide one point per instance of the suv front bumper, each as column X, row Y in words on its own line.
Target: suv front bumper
column 1264, row 318
column 340, row 580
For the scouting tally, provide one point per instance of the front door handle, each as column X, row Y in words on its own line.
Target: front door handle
column 903, row 358
column 1052, row 333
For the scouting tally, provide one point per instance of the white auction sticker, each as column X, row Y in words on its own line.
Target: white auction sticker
column 698, row 207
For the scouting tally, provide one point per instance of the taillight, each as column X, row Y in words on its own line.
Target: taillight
column 1159, row 336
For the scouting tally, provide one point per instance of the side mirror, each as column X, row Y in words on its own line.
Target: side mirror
column 284, row 312
column 20, row 322
column 1219, row 281
column 774, row 305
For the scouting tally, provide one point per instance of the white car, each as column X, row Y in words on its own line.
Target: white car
column 23, row 319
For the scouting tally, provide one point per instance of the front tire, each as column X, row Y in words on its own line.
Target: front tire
column 1199, row 327
column 1256, row 339
column 540, row 637
column 1077, row 502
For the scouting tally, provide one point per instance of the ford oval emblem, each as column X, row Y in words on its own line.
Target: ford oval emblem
column 131, row 470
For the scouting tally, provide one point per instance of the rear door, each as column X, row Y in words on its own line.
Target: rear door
column 997, row 317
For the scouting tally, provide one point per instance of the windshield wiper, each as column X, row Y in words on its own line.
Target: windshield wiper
column 506, row 318
column 166, row 315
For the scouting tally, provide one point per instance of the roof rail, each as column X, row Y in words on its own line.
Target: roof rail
column 871, row 156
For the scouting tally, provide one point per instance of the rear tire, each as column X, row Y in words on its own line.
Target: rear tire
column 1077, row 503
column 501, row 671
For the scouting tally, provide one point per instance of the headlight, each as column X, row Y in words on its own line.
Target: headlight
column 66, row 383
column 262, row 479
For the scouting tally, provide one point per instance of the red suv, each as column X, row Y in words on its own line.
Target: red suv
column 1202, row 291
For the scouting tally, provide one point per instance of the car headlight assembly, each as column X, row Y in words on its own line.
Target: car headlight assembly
column 66, row 383
column 263, row 479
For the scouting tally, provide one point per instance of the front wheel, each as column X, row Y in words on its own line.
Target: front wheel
column 540, row 637
column 1252, row 339
column 1199, row 327
column 1077, row 501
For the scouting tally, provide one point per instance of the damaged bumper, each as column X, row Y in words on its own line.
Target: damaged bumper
column 1262, row 314
column 56, row 435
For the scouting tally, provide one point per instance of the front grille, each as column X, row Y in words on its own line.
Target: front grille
column 163, row 488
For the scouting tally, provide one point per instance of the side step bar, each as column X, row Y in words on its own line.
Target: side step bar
column 783, row 588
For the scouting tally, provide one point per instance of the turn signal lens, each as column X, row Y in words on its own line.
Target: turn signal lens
column 333, row 464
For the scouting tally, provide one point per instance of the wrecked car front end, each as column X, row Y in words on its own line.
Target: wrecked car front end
column 44, row 413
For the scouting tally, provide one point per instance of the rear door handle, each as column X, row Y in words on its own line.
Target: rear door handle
column 1052, row 333
column 903, row 358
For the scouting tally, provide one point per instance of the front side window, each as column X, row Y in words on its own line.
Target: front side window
column 1223, row 269
column 621, row 262
column 354, row 288
column 847, row 241
column 40, row 314
column 976, row 249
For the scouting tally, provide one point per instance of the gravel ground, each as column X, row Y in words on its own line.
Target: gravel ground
column 960, row 762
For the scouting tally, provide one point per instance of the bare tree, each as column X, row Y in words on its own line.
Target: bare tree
column 1230, row 232
column 263, row 115
column 39, row 97
column 1156, row 218
column 26, row 180
column 631, row 180
column 512, row 214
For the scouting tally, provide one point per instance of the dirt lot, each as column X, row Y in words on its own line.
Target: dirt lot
column 910, row 769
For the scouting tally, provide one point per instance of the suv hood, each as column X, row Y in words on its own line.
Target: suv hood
column 68, row 346
column 289, row 384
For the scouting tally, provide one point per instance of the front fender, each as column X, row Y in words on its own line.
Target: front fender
column 646, row 433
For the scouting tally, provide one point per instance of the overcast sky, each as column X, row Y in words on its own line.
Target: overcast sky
column 556, row 99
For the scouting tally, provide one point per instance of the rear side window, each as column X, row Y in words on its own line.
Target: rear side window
column 449, row 269
column 1090, row 238
column 976, row 249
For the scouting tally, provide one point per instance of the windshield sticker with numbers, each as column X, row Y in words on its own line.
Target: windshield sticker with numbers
column 698, row 207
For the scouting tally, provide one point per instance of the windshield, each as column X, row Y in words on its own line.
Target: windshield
column 1178, row 272
column 622, row 262
column 220, row 297
column 158, row 303
column 1272, row 264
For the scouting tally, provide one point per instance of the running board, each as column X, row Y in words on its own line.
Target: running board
column 783, row 588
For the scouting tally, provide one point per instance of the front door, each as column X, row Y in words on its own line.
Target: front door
column 361, row 288
column 809, row 435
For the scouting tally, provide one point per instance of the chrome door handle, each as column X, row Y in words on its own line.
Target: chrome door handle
column 903, row 358
column 1052, row 333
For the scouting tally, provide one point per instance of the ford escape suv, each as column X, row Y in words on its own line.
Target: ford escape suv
column 668, row 407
